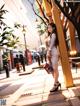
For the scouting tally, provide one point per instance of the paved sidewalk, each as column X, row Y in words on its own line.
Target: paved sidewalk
column 37, row 93
column 13, row 72
column 33, row 90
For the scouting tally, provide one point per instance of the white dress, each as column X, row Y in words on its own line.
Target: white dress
column 54, row 51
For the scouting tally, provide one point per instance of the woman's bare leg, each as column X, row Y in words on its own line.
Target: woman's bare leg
column 55, row 74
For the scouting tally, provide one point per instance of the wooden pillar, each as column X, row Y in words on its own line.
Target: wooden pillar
column 62, row 46
column 72, row 37
column 47, row 8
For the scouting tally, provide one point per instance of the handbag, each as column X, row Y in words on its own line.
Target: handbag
column 48, row 67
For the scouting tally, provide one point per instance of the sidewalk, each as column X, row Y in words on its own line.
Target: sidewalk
column 37, row 93
column 33, row 90
column 13, row 72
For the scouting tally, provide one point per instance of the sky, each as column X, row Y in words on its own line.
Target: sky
column 31, row 21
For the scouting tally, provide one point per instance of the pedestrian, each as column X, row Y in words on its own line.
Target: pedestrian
column 22, row 61
column 45, row 56
column 52, row 54
column 17, row 63
column 6, row 64
column 6, row 67
column 41, row 55
column 38, row 58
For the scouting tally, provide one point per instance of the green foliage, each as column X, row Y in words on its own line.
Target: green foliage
column 7, row 36
column 2, row 12
column 41, row 28
column 16, row 25
column 5, row 56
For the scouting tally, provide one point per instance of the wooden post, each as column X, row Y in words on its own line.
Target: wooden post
column 62, row 46
column 72, row 37
column 47, row 8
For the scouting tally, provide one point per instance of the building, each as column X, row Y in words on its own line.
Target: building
column 18, row 13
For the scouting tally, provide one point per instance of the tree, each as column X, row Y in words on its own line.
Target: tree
column 43, row 18
column 2, row 12
column 7, row 36
column 41, row 28
column 71, row 10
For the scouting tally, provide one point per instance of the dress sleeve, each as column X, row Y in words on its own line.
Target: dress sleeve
column 52, row 41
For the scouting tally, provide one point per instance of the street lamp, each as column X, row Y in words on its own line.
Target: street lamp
column 24, row 33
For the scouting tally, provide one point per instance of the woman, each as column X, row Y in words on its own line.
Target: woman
column 52, row 54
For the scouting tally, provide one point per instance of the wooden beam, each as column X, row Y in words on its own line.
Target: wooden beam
column 72, row 37
column 62, row 46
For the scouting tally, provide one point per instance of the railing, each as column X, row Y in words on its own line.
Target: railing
column 75, row 61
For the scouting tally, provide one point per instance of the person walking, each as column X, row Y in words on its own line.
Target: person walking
column 38, row 58
column 41, row 56
column 53, row 54
column 6, row 64
column 22, row 62
column 17, row 63
column 6, row 67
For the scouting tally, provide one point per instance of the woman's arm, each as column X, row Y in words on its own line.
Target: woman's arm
column 52, row 41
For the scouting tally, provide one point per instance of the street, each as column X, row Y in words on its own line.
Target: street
column 33, row 89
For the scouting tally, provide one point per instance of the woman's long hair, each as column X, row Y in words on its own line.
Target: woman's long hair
column 54, row 30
